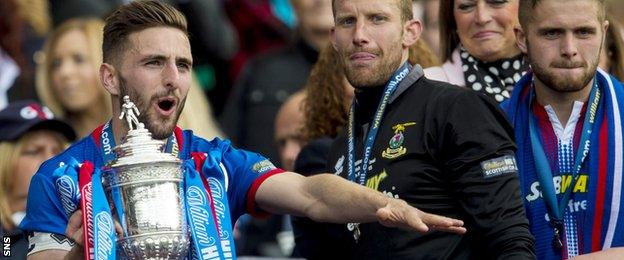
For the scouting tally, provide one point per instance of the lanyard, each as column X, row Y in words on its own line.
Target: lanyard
column 389, row 89
column 556, row 209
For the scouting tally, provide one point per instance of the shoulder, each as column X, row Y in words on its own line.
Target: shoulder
column 436, row 73
column 451, row 71
column 83, row 150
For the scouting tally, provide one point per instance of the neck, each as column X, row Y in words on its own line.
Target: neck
column 561, row 102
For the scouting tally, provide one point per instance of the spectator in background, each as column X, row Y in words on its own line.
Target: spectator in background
column 288, row 124
column 271, row 78
column 259, row 29
column 612, row 55
column 68, row 83
column 478, row 46
column 67, row 79
column 22, row 26
column 29, row 135
column 428, row 11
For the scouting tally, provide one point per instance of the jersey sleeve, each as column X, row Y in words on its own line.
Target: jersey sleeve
column 477, row 149
column 245, row 171
column 44, row 210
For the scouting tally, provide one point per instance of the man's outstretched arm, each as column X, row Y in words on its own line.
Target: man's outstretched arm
column 329, row 198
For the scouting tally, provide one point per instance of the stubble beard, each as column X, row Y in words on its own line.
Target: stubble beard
column 160, row 128
column 377, row 74
column 560, row 83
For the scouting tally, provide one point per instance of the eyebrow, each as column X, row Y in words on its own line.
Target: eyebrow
column 560, row 29
column 164, row 58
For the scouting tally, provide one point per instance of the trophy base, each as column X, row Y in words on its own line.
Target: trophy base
column 154, row 246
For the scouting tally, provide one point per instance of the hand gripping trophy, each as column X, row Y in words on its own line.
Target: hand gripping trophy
column 143, row 186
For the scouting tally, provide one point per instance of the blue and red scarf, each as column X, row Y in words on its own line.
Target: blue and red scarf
column 600, row 208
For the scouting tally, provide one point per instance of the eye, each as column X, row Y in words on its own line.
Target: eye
column 551, row 34
column 378, row 19
column 497, row 3
column 153, row 63
column 347, row 21
column 79, row 58
column 55, row 64
column 585, row 32
column 184, row 65
column 30, row 151
column 466, row 7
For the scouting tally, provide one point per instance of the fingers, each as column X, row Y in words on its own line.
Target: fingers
column 118, row 229
column 456, row 230
column 440, row 221
column 400, row 214
column 74, row 228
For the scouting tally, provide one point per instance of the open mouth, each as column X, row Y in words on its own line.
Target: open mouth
column 166, row 105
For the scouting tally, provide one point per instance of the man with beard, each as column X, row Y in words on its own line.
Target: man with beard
column 438, row 146
column 147, row 57
column 568, row 126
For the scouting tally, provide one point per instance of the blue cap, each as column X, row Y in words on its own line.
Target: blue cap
column 23, row 116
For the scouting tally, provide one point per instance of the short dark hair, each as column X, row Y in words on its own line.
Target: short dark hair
column 449, row 39
column 134, row 17
column 404, row 5
column 525, row 11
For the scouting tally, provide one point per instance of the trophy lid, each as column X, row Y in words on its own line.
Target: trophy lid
column 138, row 147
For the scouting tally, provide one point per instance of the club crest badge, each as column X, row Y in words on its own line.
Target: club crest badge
column 395, row 145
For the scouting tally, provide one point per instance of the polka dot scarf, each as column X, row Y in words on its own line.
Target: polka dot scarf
column 494, row 79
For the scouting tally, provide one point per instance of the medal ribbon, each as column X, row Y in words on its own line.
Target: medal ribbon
column 215, row 241
column 389, row 89
column 556, row 209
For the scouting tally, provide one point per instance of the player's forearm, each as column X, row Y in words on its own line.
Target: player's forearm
column 339, row 200
column 608, row 254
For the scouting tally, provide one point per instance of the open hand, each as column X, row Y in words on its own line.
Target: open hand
column 397, row 213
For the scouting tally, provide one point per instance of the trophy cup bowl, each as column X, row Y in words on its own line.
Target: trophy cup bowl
column 144, row 189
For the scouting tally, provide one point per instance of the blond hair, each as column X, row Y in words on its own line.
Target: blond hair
column 9, row 154
column 92, row 28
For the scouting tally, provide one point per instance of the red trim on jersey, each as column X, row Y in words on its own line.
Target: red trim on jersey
column 603, row 146
column 252, row 207
column 177, row 131
column 96, row 135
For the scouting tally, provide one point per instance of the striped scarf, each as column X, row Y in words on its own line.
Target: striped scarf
column 600, row 209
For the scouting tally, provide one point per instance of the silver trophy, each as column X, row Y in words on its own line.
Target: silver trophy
column 143, row 187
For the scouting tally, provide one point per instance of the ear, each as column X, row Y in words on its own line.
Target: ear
column 108, row 77
column 411, row 32
column 521, row 40
column 332, row 37
column 605, row 28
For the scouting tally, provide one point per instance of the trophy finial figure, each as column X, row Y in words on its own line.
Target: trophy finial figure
column 130, row 111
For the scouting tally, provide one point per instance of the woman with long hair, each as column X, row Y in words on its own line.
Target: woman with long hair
column 478, row 46
column 29, row 135
column 67, row 77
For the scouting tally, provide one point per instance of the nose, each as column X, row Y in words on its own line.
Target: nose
column 170, row 75
column 360, row 34
column 66, row 68
column 483, row 13
column 568, row 46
